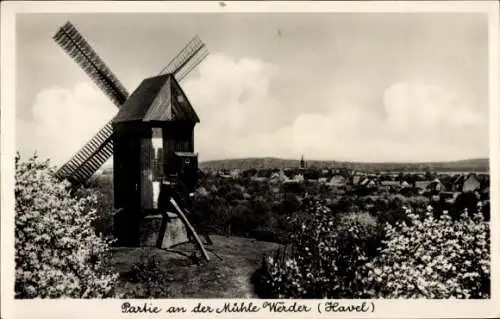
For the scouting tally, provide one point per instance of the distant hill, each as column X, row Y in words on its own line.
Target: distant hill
column 472, row 165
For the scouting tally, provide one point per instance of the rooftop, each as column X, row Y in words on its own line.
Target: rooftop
column 158, row 98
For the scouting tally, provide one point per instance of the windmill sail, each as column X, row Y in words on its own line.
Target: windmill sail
column 100, row 148
column 89, row 158
column 187, row 59
column 78, row 48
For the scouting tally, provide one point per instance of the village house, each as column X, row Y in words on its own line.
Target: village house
column 471, row 183
column 298, row 178
column 278, row 177
column 258, row 178
column 422, row 186
column 356, row 179
column 456, row 183
column 390, row 185
column 449, row 197
column 436, row 187
column 235, row 173
column 224, row 173
column 322, row 180
column 405, row 184
column 337, row 181
column 367, row 182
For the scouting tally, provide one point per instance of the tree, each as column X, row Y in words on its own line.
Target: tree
column 100, row 186
column 261, row 211
column 57, row 251
column 248, row 173
column 432, row 258
column 428, row 176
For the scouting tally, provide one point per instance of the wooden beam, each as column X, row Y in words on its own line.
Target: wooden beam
column 190, row 228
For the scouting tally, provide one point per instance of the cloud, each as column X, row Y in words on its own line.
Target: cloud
column 242, row 116
column 412, row 107
column 62, row 121
column 231, row 95
column 422, row 123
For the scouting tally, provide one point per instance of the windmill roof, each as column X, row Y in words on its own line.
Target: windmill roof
column 158, row 98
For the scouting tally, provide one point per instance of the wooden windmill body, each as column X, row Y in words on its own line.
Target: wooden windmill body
column 151, row 140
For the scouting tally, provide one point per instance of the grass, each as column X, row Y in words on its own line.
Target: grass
column 233, row 261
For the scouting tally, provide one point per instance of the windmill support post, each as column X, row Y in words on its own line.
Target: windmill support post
column 190, row 228
column 163, row 229
column 125, row 227
column 203, row 232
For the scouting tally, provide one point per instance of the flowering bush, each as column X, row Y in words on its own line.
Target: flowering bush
column 326, row 253
column 57, row 251
column 433, row 258
column 348, row 257
column 100, row 187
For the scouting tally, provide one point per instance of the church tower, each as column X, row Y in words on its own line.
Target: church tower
column 302, row 163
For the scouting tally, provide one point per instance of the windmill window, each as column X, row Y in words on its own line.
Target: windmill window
column 180, row 98
column 158, row 163
column 157, row 153
column 187, row 161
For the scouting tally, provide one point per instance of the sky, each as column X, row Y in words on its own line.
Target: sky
column 371, row 87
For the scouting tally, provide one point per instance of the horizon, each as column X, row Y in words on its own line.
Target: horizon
column 340, row 161
column 109, row 163
column 358, row 87
column 353, row 162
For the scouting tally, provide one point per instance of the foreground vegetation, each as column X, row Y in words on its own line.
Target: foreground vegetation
column 348, row 257
column 335, row 244
column 57, row 251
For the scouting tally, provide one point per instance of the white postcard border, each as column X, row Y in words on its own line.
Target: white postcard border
column 84, row 309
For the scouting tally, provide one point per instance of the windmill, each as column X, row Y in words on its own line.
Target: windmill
column 151, row 139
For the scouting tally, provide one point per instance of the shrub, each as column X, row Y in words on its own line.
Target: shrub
column 57, row 251
column 349, row 257
column 433, row 258
column 152, row 280
column 325, row 255
column 100, row 186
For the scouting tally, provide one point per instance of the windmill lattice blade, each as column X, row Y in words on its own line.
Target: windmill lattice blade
column 89, row 158
column 71, row 41
column 195, row 51
column 191, row 64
